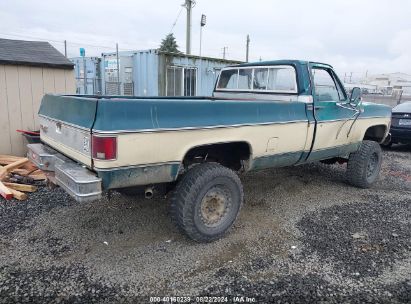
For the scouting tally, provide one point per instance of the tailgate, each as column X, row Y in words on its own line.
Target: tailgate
column 65, row 125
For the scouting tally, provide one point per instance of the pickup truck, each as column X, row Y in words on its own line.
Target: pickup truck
column 261, row 115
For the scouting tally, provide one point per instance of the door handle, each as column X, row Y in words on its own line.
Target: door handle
column 319, row 107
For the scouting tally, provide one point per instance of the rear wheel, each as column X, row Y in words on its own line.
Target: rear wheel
column 364, row 165
column 206, row 201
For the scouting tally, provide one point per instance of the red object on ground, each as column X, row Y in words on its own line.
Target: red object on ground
column 7, row 196
column 28, row 132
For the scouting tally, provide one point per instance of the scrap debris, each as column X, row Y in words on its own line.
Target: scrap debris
column 17, row 176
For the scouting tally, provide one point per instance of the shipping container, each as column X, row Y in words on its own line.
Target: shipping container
column 155, row 73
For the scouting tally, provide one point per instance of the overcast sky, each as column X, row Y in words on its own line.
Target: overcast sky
column 352, row 35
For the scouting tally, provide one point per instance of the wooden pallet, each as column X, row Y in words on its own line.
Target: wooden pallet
column 12, row 167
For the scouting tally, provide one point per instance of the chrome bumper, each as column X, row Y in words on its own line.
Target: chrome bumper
column 82, row 184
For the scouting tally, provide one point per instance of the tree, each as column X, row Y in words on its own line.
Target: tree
column 169, row 44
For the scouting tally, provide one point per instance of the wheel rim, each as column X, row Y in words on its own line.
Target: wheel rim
column 372, row 165
column 215, row 206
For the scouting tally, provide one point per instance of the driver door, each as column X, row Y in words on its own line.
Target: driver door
column 332, row 121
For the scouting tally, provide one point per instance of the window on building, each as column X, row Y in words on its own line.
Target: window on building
column 128, row 85
column 190, row 81
column 181, row 81
column 174, row 81
column 128, row 74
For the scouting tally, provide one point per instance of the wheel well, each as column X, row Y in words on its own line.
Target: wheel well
column 230, row 154
column 376, row 133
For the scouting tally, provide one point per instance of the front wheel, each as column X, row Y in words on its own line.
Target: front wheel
column 364, row 165
column 206, row 202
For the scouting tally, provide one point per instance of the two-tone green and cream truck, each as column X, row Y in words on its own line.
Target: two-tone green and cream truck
column 261, row 115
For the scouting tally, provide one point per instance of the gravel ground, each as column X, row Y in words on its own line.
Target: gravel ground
column 303, row 235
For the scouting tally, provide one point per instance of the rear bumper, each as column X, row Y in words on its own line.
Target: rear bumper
column 82, row 184
column 400, row 135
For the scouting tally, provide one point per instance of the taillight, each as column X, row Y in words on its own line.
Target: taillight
column 104, row 148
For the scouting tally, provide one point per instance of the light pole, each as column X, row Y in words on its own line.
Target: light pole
column 202, row 24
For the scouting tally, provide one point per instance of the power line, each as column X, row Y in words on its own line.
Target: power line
column 175, row 22
column 62, row 42
column 30, row 37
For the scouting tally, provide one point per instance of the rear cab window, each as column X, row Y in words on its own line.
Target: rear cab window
column 270, row 79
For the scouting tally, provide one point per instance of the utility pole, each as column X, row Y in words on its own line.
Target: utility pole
column 83, row 54
column 65, row 48
column 84, row 75
column 189, row 4
column 247, row 48
column 224, row 51
column 399, row 99
column 203, row 22
column 118, row 72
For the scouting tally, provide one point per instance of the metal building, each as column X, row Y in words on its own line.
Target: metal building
column 391, row 83
column 156, row 73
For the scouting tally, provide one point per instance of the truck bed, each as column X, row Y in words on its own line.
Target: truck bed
column 69, row 121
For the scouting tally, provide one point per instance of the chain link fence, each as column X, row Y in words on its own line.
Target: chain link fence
column 93, row 86
column 88, row 86
column 119, row 88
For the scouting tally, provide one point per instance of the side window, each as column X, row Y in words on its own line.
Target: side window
column 325, row 88
column 341, row 91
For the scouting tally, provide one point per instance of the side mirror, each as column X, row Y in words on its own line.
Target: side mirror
column 355, row 96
